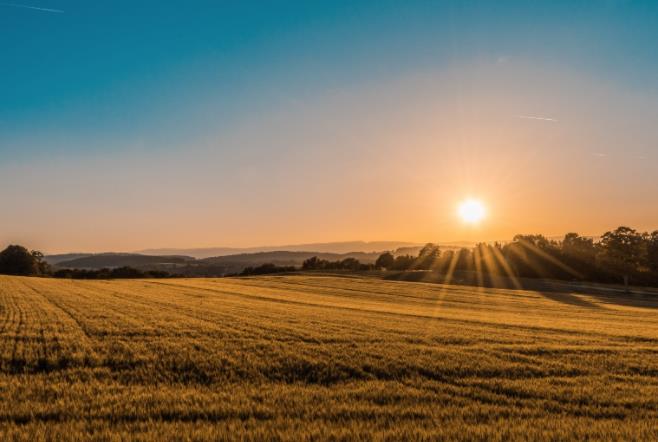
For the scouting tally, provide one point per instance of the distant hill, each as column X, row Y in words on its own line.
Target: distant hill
column 223, row 265
column 223, row 261
column 288, row 257
column 413, row 250
column 110, row 260
column 56, row 259
column 331, row 247
column 215, row 266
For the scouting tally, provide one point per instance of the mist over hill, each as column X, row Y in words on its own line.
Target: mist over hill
column 63, row 257
column 220, row 261
column 214, row 266
column 330, row 247
column 110, row 260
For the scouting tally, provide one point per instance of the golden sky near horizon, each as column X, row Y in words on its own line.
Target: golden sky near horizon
column 547, row 149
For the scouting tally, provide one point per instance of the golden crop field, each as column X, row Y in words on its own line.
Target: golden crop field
column 320, row 357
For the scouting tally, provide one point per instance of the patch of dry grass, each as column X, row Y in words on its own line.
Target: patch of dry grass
column 312, row 357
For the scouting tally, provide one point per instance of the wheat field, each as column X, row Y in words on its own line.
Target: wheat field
column 320, row 357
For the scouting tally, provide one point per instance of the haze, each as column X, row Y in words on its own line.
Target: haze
column 127, row 127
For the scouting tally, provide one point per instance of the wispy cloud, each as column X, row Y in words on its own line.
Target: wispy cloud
column 600, row 154
column 530, row 117
column 34, row 8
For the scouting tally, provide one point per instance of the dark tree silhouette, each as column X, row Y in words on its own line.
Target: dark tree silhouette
column 404, row 262
column 574, row 244
column 385, row 261
column 265, row 269
column 17, row 260
column 652, row 251
column 313, row 263
column 464, row 259
column 428, row 256
column 350, row 264
column 623, row 251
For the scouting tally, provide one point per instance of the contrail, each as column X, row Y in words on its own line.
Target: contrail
column 34, row 8
column 529, row 117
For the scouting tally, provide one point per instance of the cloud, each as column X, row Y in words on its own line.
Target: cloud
column 600, row 154
column 34, row 8
column 530, row 117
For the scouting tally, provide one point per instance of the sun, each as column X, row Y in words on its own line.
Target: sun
column 471, row 211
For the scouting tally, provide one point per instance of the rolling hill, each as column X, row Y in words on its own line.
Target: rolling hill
column 110, row 260
column 216, row 266
column 331, row 247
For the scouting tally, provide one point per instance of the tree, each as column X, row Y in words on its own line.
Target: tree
column 579, row 253
column 265, row 269
column 574, row 244
column 17, row 260
column 652, row 251
column 536, row 256
column 464, row 259
column 313, row 263
column 623, row 251
column 485, row 259
column 350, row 264
column 385, row 261
column 44, row 267
column 427, row 256
column 534, row 241
column 126, row 272
column 403, row 262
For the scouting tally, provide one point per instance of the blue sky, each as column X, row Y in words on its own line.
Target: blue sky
column 122, row 70
column 129, row 80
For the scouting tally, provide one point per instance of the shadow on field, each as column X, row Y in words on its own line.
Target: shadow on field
column 568, row 298
column 639, row 300
column 561, row 291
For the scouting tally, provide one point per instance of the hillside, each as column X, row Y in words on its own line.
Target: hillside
column 216, row 266
column 316, row 357
column 330, row 247
column 56, row 259
column 231, row 264
column 102, row 260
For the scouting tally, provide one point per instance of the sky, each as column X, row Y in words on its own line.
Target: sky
column 127, row 125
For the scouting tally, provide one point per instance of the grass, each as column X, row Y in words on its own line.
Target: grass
column 318, row 357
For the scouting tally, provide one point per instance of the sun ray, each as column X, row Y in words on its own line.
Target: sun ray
column 506, row 268
column 477, row 257
column 549, row 258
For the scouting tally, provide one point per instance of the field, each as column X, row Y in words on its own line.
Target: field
column 321, row 357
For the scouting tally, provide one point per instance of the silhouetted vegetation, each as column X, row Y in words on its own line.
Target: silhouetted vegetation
column 117, row 273
column 385, row 261
column 112, row 260
column 621, row 255
column 266, row 269
column 351, row 264
column 17, row 260
column 230, row 265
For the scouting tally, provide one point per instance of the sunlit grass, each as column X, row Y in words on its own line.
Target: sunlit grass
column 315, row 357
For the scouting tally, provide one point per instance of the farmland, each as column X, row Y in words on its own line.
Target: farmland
column 316, row 357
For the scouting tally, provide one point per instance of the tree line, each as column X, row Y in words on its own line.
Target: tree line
column 17, row 260
column 124, row 272
column 623, row 255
